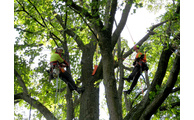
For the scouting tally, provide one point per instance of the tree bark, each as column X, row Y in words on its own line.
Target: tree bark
column 36, row 104
column 159, row 99
column 89, row 104
column 108, row 78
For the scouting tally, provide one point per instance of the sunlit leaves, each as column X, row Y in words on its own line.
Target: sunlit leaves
column 35, row 20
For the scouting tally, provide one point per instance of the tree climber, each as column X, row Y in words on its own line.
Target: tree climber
column 57, row 64
column 139, row 66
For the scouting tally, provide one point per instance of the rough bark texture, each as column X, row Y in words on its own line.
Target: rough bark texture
column 89, row 104
column 109, row 80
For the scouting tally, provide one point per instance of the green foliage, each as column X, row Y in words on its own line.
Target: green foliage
column 36, row 23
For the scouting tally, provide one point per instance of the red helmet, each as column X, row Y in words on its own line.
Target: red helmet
column 136, row 47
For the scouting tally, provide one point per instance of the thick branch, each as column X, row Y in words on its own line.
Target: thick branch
column 76, row 38
column 122, row 22
column 21, row 82
column 162, row 66
column 172, row 105
column 112, row 16
column 36, row 104
column 70, row 32
column 159, row 99
column 107, row 9
column 84, row 12
column 144, row 38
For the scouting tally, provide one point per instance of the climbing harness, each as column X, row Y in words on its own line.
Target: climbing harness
column 56, row 68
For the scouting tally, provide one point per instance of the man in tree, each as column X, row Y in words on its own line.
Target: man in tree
column 139, row 66
column 57, row 69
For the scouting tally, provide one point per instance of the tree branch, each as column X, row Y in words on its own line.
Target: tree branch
column 150, row 32
column 172, row 105
column 55, row 37
column 159, row 99
column 38, row 12
column 70, row 32
column 122, row 22
column 138, row 95
column 159, row 75
column 83, row 13
column 112, row 16
column 162, row 66
column 36, row 104
column 76, row 38
column 21, row 82
column 29, row 14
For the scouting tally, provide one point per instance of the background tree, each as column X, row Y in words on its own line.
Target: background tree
column 79, row 26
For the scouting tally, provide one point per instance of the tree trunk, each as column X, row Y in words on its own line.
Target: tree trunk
column 121, row 73
column 70, row 108
column 109, row 80
column 89, row 104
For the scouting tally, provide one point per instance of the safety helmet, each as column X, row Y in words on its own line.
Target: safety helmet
column 59, row 48
column 136, row 47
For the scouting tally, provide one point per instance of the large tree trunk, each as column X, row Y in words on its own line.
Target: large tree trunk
column 89, row 104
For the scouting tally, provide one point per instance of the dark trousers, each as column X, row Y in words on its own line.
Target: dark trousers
column 67, row 78
column 136, row 74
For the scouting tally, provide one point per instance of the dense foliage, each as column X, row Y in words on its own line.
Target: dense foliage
column 82, row 28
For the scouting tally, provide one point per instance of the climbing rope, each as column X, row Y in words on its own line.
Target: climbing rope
column 30, row 107
column 56, row 95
